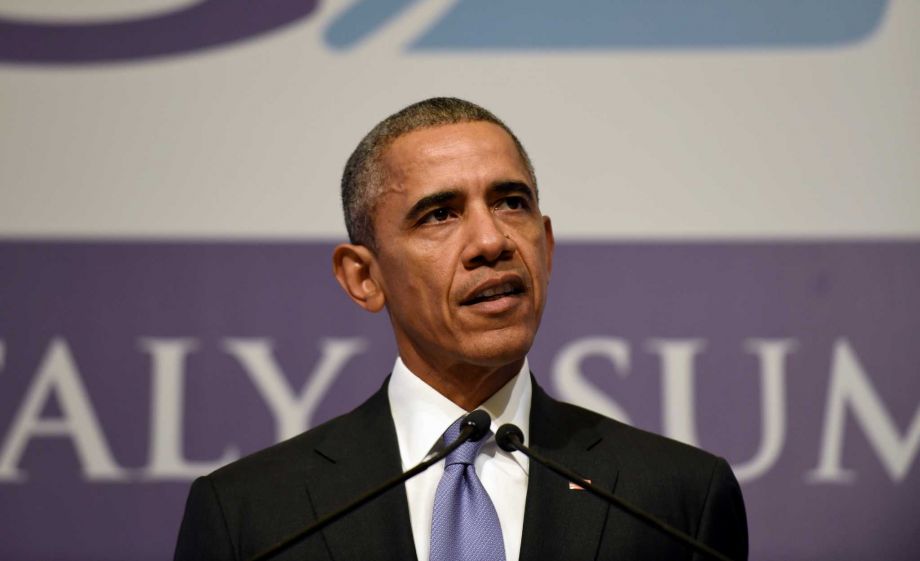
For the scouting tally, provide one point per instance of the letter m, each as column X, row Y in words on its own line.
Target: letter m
column 850, row 389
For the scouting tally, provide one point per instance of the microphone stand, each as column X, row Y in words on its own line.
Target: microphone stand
column 510, row 438
column 475, row 425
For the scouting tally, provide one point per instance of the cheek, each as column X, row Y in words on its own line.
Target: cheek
column 419, row 276
column 421, row 282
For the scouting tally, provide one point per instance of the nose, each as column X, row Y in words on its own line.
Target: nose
column 486, row 241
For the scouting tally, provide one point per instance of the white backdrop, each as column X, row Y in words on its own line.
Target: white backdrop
column 248, row 139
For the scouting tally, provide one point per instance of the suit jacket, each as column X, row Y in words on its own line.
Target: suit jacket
column 249, row 505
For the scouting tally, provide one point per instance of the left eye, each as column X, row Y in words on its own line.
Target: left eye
column 512, row 203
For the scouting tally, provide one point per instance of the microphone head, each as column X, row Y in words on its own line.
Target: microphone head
column 480, row 421
column 508, row 437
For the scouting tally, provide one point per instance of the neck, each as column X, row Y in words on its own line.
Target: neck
column 466, row 385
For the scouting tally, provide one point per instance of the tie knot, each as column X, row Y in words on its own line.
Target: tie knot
column 466, row 452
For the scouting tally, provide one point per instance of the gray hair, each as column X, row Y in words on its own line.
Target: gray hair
column 363, row 179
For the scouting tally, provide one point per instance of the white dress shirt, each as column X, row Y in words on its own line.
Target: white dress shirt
column 422, row 415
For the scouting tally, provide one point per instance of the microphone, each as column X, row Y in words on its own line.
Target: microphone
column 473, row 427
column 478, row 421
column 510, row 438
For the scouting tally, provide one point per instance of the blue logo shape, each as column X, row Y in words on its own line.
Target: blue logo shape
column 622, row 24
column 204, row 24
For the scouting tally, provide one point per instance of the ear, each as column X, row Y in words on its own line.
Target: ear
column 353, row 265
column 550, row 242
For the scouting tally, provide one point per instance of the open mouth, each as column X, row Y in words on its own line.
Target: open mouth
column 495, row 292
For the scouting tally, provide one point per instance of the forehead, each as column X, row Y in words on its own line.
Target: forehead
column 461, row 153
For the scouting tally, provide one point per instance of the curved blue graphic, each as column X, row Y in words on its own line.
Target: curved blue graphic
column 362, row 20
column 622, row 24
column 204, row 24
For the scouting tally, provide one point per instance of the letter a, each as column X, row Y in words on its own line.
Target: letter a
column 58, row 375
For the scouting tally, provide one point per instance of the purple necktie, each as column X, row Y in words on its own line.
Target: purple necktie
column 464, row 526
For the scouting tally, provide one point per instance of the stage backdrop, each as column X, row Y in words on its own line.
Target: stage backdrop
column 734, row 186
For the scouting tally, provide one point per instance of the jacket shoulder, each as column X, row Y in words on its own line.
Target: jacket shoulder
column 295, row 456
column 628, row 443
column 689, row 488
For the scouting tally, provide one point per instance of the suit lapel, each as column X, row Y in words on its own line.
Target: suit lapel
column 559, row 522
column 361, row 454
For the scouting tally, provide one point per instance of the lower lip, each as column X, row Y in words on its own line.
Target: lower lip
column 497, row 306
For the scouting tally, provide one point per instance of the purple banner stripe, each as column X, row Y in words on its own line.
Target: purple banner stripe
column 127, row 366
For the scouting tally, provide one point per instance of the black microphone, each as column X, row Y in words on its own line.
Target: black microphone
column 510, row 438
column 473, row 427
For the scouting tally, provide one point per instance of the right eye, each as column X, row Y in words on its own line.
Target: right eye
column 437, row 215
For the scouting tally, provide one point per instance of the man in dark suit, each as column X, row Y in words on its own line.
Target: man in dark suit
column 446, row 235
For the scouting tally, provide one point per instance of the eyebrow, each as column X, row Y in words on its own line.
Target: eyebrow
column 506, row 187
column 441, row 197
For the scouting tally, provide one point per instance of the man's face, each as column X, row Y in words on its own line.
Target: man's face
column 463, row 254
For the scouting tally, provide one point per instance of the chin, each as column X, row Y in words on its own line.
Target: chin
column 496, row 350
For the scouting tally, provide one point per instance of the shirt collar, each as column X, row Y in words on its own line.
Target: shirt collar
column 421, row 414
